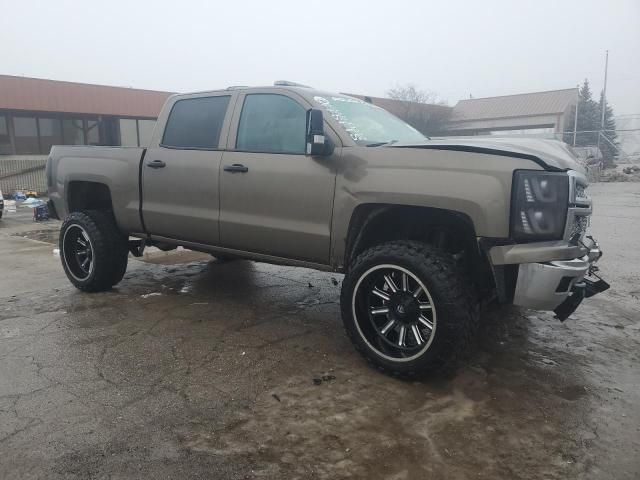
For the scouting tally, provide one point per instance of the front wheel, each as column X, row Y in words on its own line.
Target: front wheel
column 92, row 250
column 408, row 308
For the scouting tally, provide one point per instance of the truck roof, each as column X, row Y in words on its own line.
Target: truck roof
column 304, row 90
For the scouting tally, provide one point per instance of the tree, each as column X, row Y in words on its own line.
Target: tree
column 410, row 93
column 589, row 124
column 587, row 118
column 419, row 108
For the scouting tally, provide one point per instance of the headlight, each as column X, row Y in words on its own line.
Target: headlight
column 539, row 203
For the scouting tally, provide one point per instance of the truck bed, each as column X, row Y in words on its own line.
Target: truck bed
column 71, row 167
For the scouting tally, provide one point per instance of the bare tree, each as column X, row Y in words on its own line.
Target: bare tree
column 419, row 108
column 410, row 93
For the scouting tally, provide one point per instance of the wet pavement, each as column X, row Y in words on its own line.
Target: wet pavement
column 195, row 368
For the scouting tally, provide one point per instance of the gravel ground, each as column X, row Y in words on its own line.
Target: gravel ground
column 193, row 368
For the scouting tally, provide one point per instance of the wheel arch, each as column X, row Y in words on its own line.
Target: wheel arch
column 86, row 195
column 373, row 224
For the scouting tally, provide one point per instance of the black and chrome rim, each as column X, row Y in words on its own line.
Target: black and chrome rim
column 77, row 252
column 394, row 312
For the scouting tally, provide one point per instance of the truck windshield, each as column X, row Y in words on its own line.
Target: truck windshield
column 368, row 124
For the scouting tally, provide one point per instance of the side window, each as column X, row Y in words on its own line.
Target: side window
column 271, row 123
column 196, row 123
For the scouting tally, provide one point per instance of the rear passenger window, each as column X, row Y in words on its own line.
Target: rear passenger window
column 196, row 123
column 271, row 123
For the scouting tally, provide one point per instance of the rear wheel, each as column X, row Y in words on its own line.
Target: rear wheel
column 92, row 250
column 407, row 308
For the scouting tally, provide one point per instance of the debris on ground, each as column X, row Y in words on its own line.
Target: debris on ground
column 10, row 206
column 629, row 173
column 31, row 202
column 323, row 378
column 153, row 294
column 40, row 212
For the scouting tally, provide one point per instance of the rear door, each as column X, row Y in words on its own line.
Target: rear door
column 180, row 172
column 273, row 198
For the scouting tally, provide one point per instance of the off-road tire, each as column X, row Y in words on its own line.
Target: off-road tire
column 109, row 247
column 121, row 261
column 452, row 296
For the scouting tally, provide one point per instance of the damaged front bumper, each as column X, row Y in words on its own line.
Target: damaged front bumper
column 560, row 285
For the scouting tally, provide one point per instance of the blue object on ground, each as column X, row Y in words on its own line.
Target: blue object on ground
column 40, row 213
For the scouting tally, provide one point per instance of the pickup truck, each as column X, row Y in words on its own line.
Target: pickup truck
column 425, row 231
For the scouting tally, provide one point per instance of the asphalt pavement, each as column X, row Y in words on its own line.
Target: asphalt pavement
column 193, row 368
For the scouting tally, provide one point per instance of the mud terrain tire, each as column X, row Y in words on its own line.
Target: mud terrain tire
column 453, row 301
column 93, row 251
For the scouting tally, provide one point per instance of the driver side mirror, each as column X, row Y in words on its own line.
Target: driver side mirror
column 317, row 142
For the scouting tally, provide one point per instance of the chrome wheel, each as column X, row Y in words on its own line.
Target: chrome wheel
column 394, row 312
column 77, row 252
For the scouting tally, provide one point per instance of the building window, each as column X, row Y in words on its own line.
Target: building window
column 73, row 131
column 50, row 133
column 5, row 140
column 145, row 130
column 543, row 132
column 26, row 135
column 128, row 133
column 21, row 134
column 92, row 131
column 109, row 133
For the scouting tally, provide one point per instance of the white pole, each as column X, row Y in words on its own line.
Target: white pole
column 603, row 100
column 575, row 120
column 604, row 90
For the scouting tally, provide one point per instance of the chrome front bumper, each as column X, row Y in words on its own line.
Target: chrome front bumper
column 548, row 285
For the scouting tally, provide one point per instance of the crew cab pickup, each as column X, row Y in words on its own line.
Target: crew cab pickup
column 425, row 231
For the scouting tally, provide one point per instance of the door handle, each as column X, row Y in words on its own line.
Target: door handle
column 156, row 164
column 236, row 167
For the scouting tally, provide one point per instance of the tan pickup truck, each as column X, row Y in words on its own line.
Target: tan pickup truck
column 424, row 230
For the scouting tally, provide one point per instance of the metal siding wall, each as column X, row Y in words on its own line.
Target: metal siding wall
column 11, row 179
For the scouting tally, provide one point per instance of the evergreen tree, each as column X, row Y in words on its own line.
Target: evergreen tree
column 608, row 143
column 588, row 112
column 589, row 120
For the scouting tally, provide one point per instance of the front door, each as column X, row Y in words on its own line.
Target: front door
column 273, row 198
column 180, row 172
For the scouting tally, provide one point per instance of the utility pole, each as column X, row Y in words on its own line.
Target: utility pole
column 575, row 120
column 604, row 90
column 603, row 100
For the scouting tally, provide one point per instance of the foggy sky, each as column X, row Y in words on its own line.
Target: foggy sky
column 452, row 48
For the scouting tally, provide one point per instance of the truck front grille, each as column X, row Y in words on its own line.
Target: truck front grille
column 578, row 227
column 579, row 211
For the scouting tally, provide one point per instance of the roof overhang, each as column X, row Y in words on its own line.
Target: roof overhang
column 35, row 94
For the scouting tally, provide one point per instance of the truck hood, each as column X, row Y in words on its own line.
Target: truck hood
column 550, row 154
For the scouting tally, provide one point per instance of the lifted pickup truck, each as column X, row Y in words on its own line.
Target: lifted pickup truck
column 423, row 230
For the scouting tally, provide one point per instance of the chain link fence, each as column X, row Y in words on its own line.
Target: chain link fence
column 22, row 173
